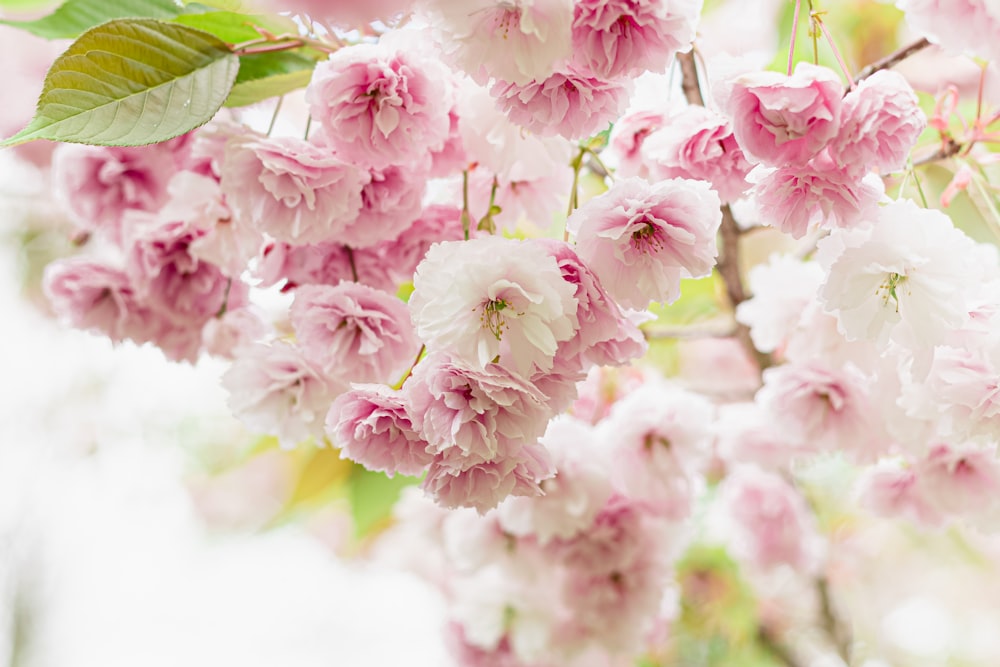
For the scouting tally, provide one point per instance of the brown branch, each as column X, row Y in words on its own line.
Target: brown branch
column 839, row 635
column 729, row 256
column 949, row 148
column 776, row 648
column 892, row 59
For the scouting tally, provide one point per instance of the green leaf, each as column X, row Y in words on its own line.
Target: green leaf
column 266, row 75
column 372, row 496
column 73, row 17
column 233, row 27
column 131, row 82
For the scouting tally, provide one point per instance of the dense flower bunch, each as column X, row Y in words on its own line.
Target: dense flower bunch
column 435, row 329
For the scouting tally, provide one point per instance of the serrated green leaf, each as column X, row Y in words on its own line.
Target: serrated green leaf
column 266, row 75
column 234, row 27
column 372, row 497
column 130, row 82
column 73, row 17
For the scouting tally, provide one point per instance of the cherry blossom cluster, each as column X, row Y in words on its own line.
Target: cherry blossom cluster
column 439, row 325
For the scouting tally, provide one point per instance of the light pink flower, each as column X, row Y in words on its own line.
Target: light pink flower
column 890, row 490
column 627, row 37
column 657, row 439
column 698, row 143
column 223, row 336
column 97, row 184
column 769, row 521
column 641, row 239
column 820, row 193
column 534, row 201
column 400, row 256
column 566, row 103
column 275, row 389
column 959, row 26
column 372, row 426
column 604, row 336
column 169, row 278
column 390, row 202
column 964, row 386
column 378, row 106
column 963, row 481
column 98, row 297
column 355, row 332
column 471, row 416
column 484, row 485
column 781, row 290
column 510, row 40
column 880, row 123
column 493, row 297
column 628, row 137
column 347, row 13
column 823, row 408
column 784, row 121
column 295, row 191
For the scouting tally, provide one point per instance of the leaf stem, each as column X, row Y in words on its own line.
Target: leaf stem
column 795, row 32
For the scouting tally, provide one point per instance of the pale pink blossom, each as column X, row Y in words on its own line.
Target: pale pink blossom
column 746, row 433
column 346, row 13
column 959, row 26
column 657, row 439
column 295, row 191
column 572, row 498
column 533, row 201
column 491, row 298
column 471, row 416
column 355, row 332
column 400, row 256
column 223, row 336
column 605, row 336
column 891, row 490
column 372, row 426
column 566, row 103
column 510, row 40
column 905, row 278
column 698, row 143
column 880, row 123
column 628, row 137
column 98, row 184
column 769, row 521
column 719, row 367
column 275, row 389
column 627, row 37
column 964, row 386
column 820, row 193
column 821, row 408
column 603, row 387
column 98, row 297
column 390, row 202
column 642, row 239
column 484, row 485
column 963, row 480
column 784, row 121
column 378, row 106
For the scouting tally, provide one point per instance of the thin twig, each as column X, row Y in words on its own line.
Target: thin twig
column 839, row 635
column 892, row 59
column 775, row 648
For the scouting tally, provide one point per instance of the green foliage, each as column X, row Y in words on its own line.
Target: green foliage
column 266, row 75
column 234, row 27
column 130, row 82
column 73, row 17
column 372, row 496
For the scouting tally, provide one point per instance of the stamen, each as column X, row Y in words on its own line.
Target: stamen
column 492, row 317
column 887, row 290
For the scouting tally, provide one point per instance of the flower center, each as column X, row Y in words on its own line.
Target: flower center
column 887, row 290
column 493, row 318
column 646, row 239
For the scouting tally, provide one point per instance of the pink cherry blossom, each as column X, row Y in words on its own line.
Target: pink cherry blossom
column 627, row 37
column 97, row 185
column 354, row 332
column 770, row 523
column 347, row 13
column 371, row 425
column 378, row 106
column 484, row 485
column 293, row 190
column 641, row 239
column 781, row 290
column 275, row 389
column 784, row 121
column 890, row 490
column 400, row 256
column 510, row 40
column 959, row 26
column 960, row 480
column 471, row 416
column 698, row 143
column 390, row 202
column 880, row 124
column 238, row 327
column 322, row 264
column 964, row 385
column 628, row 137
column 491, row 298
column 531, row 201
column 820, row 193
column 566, row 103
